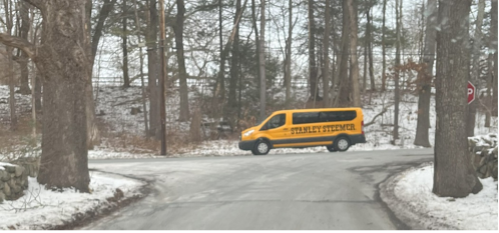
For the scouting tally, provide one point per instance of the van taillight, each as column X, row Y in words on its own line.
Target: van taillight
column 362, row 124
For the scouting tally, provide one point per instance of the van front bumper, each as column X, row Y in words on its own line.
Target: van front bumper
column 246, row 145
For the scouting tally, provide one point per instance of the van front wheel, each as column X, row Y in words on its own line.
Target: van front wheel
column 341, row 144
column 262, row 147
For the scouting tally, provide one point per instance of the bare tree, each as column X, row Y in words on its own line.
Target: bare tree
column 383, row 48
column 9, row 24
column 398, row 15
column 454, row 175
column 354, row 64
column 153, row 67
column 426, row 77
column 124, row 43
column 64, row 63
column 22, row 58
column 312, row 66
column 179, row 42
column 494, row 46
column 261, row 60
column 288, row 54
column 326, row 74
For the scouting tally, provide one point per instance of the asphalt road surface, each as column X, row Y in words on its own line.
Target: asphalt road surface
column 320, row 191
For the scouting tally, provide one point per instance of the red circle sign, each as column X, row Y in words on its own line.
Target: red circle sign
column 471, row 92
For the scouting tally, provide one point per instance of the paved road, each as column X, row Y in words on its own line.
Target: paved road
column 288, row 192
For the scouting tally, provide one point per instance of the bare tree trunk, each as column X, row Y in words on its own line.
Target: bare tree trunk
column 261, row 55
column 126, row 77
column 231, row 115
column 454, row 175
column 370, row 51
column 23, row 60
column 179, row 41
column 475, row 72
column 326, row 74
column 343, row 98
column 287, row 60
column 312, row 66
column 153, row 66
column 383, row 49
column 12, row 83
column 352, row 12
column 426, row 77
column 493, row 27
column 398, row 20
column 141, row 66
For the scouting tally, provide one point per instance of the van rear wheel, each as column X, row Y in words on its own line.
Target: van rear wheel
column 341, row 143
column 261, row 147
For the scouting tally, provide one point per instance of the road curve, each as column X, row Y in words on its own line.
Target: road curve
column 320, row 191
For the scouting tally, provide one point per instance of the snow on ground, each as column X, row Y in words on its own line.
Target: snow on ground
column 40, row 208
column 475, row 212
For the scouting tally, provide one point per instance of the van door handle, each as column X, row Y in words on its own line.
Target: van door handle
column 285, row 129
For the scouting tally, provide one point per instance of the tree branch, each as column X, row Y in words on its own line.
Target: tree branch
column 19, row 43
column 378, row 115
column 37, row 3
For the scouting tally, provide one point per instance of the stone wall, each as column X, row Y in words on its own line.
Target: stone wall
column 13, row 181
column 14, row 177
column 483, row 149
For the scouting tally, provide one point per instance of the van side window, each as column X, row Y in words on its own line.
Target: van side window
column 337, row 116
column 275, row 122
column 305, row 117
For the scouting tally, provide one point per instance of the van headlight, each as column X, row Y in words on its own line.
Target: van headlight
column 248, row 133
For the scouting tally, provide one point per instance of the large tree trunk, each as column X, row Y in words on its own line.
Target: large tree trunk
column 493, row 13
column 12, row 83
column 23, row 60
column 354, row 63
column 422, row 137
column 454, row 175
column 475, row 72
column 153, row 66
column 63, row 60
column 179, row 42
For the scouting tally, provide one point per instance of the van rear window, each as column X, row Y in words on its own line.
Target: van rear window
column 317, row 117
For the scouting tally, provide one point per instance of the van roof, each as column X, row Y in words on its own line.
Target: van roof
column 318, row 109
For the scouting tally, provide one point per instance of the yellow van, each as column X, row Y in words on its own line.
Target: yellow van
column 335, row 128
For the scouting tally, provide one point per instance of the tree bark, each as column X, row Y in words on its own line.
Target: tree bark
column 426, row 77
column 179, row 42
column 326, row 74
column 126, row 77
column 63, row 61
column 370, row 52
column 343, row 99
column 312, row 65
column 153, row 69
column 23, row 59
column 234, row 72
column 287, row 60
column 454, row 175
column 354, row 63
column 383, row 49
column 261, row 60
column 493, row 27
column 398, row 20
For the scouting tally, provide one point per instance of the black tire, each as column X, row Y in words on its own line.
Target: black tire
column 331, row 148
column 341, row 143
column 261, row 147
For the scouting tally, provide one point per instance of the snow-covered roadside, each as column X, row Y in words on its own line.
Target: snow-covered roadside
column 408, row 195
column 40, row 208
